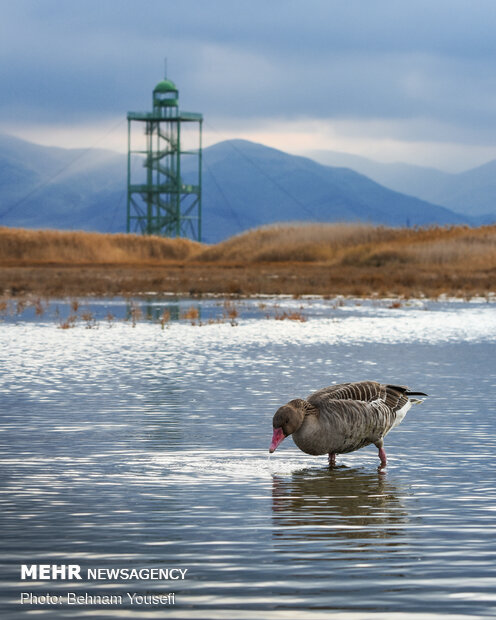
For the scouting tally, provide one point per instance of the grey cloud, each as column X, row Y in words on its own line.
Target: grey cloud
column 395, row 60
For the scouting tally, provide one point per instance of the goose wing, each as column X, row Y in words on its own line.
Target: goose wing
column 346, row 425
column 394, row 396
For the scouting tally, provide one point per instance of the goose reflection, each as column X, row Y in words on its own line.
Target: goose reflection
column 342, row 503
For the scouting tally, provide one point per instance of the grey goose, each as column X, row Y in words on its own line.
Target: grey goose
column 343, row 418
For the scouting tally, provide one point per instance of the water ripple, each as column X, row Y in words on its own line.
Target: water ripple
column 136, row 446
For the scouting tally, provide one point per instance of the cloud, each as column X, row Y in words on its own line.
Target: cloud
column 420, row 72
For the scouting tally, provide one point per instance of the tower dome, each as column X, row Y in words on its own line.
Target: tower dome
column 165, row 86
column 165, row 94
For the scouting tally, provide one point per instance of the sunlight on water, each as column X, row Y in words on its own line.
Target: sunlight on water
column 146, row 447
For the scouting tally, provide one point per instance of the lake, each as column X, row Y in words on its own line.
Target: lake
column 137, row 438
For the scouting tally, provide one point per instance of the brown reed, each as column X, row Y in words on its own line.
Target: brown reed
column 294, row 259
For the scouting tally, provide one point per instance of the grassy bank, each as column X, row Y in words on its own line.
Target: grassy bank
column 326, row 259
column 41, row 247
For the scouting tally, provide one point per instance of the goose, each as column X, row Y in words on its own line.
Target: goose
column 343, row 418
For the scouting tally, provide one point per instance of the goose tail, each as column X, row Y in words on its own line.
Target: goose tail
column 415, row 401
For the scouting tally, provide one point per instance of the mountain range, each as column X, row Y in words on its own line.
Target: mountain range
column 472, row 192
column 245, row 185
column 69, row 189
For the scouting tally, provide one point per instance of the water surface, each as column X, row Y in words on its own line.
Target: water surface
column 146, row 446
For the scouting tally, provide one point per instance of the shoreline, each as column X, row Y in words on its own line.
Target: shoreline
column 268, row 279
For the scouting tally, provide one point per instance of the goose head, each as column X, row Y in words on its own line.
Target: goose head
column 287, row 419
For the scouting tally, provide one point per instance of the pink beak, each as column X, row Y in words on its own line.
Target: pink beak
column 277, row 437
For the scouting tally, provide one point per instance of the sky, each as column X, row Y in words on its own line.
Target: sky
column 393, row 80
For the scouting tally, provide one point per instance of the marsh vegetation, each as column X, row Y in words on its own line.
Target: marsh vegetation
column 296, row 259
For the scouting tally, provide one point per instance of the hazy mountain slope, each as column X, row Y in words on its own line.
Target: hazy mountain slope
column 471, row 193
column 48, row 187
column 420, row 181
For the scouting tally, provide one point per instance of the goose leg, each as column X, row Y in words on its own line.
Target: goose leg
column 332, row 459
column 382, row 452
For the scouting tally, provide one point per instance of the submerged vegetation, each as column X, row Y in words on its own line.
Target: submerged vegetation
column 71, row 313
column 298, row 259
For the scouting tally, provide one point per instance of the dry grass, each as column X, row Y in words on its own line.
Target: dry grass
column 191, row 313
column 294, row 243
column 356, row 244
column 326, row 259
column 20, row 246
column 479, row 252
column 290, row 316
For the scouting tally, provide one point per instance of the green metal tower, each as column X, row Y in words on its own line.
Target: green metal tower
column 164, row 175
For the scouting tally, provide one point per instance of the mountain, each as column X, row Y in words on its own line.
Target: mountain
column 245, row 185
column 471, row 193
column 49, row 187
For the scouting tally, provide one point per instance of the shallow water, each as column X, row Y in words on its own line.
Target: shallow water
column 147, row 447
